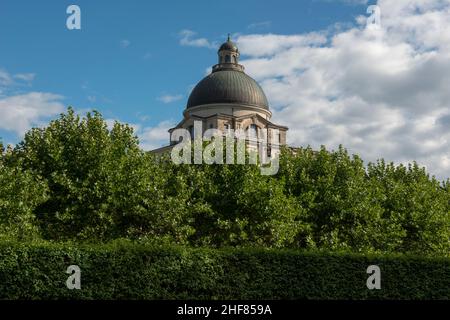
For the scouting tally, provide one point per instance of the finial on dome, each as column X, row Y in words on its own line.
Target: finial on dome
column 229, row 38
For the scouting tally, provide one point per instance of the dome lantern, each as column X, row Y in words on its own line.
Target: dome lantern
column 228, row 56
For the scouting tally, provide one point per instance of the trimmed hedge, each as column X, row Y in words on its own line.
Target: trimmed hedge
column 135, row 271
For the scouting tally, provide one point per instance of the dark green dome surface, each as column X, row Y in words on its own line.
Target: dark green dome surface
column 228, row 86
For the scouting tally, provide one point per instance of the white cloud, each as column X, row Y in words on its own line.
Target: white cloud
column 259, row 25
column 144, row 117
column 380, row 93
column 150, row 137
column 110, row 122
column 125, row 43
column 257, row 45
column 19, row 113
column 188, row 38
column 9, row 81
column 25, row 76
column 5, row 79
column 349, row 2
column 154, row 137
column 167, row 98
column 355, row 2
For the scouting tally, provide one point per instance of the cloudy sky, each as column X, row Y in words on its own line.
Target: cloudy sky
column 380, row 92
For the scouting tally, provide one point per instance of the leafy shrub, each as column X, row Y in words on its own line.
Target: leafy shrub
column 131, row 271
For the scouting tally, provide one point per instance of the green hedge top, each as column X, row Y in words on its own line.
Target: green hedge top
column 134, row 271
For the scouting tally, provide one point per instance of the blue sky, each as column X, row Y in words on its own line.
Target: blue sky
column 382, row 93
column 127, row 55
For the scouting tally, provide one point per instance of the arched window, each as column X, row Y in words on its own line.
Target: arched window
column 252, row 132
column 227, row 58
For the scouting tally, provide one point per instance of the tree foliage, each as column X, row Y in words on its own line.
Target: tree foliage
column 102, row 186
column 77, row 179
column 20, row 193
column 383, row 208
